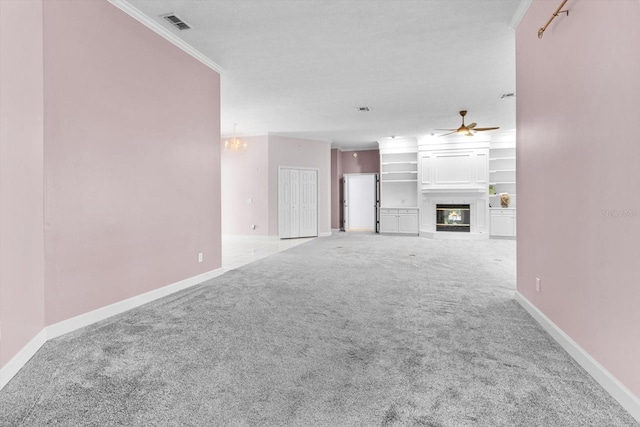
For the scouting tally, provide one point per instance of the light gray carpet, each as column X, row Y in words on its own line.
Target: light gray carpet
column 348, row 330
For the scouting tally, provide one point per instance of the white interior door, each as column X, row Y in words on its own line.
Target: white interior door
column 308, row 196
column 297, row 203
column 345, row 203
column 360, row 202
column 284, row 203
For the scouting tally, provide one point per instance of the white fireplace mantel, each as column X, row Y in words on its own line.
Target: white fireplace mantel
column 454, row 173
column 458, row 191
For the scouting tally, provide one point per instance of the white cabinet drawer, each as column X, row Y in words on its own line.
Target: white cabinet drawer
column 508, row 212
column 387, row 211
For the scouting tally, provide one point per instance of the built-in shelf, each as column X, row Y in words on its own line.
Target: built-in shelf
column 502, row 176
column 398, row 172
column 399, row 163
column 391, row 172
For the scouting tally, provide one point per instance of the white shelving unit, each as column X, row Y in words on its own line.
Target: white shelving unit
column 502, row 175
column 399, row 185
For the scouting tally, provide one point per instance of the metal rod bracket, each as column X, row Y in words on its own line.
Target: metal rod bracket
column 556, row 13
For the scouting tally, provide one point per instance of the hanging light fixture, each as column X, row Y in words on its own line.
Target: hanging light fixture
column 234, row 144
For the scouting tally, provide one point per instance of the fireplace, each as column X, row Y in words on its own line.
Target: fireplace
column 453, row 218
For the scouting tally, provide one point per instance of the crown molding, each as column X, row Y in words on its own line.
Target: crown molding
column 519, row 14
column 165, row 33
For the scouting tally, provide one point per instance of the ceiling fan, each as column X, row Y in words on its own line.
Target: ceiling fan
column 467, row 130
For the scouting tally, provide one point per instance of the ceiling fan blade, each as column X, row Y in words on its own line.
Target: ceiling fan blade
column 482, row 129
column 445, row 134
column 451, row 130
column 472, row 125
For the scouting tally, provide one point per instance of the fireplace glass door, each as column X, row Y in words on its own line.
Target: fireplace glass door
column 453, row 218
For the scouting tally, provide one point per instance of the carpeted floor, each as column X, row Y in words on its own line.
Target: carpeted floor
column 348, row 330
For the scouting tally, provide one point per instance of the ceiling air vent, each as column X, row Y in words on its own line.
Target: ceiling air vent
column 363, row 109
column 176, row 21
column 507, row 95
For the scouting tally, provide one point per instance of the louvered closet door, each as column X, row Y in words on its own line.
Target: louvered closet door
column 308, row 203
column 297, row 203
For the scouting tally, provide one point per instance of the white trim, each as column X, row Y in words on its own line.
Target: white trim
column 282, row 135
column 16, row 363
column 166, row 33
column 519, row 13
column 251, row 237
column 77, row 322
column 326, row 233
column 52, row 331
column 611, row 384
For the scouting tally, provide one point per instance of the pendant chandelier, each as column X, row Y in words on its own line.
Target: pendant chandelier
column 234, row 144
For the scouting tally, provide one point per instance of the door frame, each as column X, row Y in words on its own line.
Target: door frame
column 345, row 200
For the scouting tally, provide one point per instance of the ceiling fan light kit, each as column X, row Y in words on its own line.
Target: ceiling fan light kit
column 467, row 130
column 556, row 13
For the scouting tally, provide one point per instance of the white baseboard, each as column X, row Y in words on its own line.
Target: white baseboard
column 16, row 363
column 52, row 331
column 325, row 234
column 250, row 237
column 102, row 313
column 611, row 384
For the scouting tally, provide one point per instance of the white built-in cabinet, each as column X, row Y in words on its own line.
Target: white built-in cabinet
column 399, row 221
column 297, row 202
column 502, row 177
column 399, row 186
column 503, row 222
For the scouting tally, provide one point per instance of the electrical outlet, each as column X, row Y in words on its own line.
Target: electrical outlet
column 537, row 284
column 200, row 257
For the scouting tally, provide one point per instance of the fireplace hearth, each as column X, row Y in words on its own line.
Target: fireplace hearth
column 455, row 218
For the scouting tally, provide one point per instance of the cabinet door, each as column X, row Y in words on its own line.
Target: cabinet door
column 502, row 225
column 388, row 222
column 408, row 223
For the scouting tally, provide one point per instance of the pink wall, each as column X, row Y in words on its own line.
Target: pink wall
column 303, row 153
column 131, row 167
column 367, row 161
column 21, row 188
column 245, row 177
column 578, row 175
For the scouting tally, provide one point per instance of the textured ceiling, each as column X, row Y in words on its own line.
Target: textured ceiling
column 302, row 67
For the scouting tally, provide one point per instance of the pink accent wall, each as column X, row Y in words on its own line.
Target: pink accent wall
column 302, row 153
column 245, row 177
column 131, row 159
column 21, row 187
column 578, row 176
column 367, row 161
